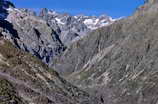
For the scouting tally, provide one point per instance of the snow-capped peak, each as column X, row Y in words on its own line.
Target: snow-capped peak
column 71, row 27
column 59, row 21
column 97, row 22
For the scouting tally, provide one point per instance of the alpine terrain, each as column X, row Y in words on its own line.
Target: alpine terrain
column 58, row 58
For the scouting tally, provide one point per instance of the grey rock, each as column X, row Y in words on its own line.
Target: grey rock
column 34, row 35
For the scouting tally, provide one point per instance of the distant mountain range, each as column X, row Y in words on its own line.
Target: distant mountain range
column 71, row 28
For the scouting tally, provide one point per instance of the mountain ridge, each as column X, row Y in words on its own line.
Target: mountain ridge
column 70, row 27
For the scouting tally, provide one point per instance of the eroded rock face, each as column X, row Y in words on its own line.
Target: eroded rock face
column 120, row 60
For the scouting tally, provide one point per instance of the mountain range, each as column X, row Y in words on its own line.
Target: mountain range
column 47, row 35
column 57, row 58
column 71, row 28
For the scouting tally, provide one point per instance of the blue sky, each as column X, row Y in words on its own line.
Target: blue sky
column 114, row 8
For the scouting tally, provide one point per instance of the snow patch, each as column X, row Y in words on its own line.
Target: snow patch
column 95, row 23
column 59, row 21
column 9, row 9
column 88, row 22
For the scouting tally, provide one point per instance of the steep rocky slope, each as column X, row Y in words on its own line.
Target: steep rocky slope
column 119, row 61
column 25, row 79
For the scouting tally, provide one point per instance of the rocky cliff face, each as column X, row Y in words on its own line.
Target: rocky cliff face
column 30, row 33
column 120, row 60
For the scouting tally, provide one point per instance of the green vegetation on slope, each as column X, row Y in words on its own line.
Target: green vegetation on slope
column 7, row 93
